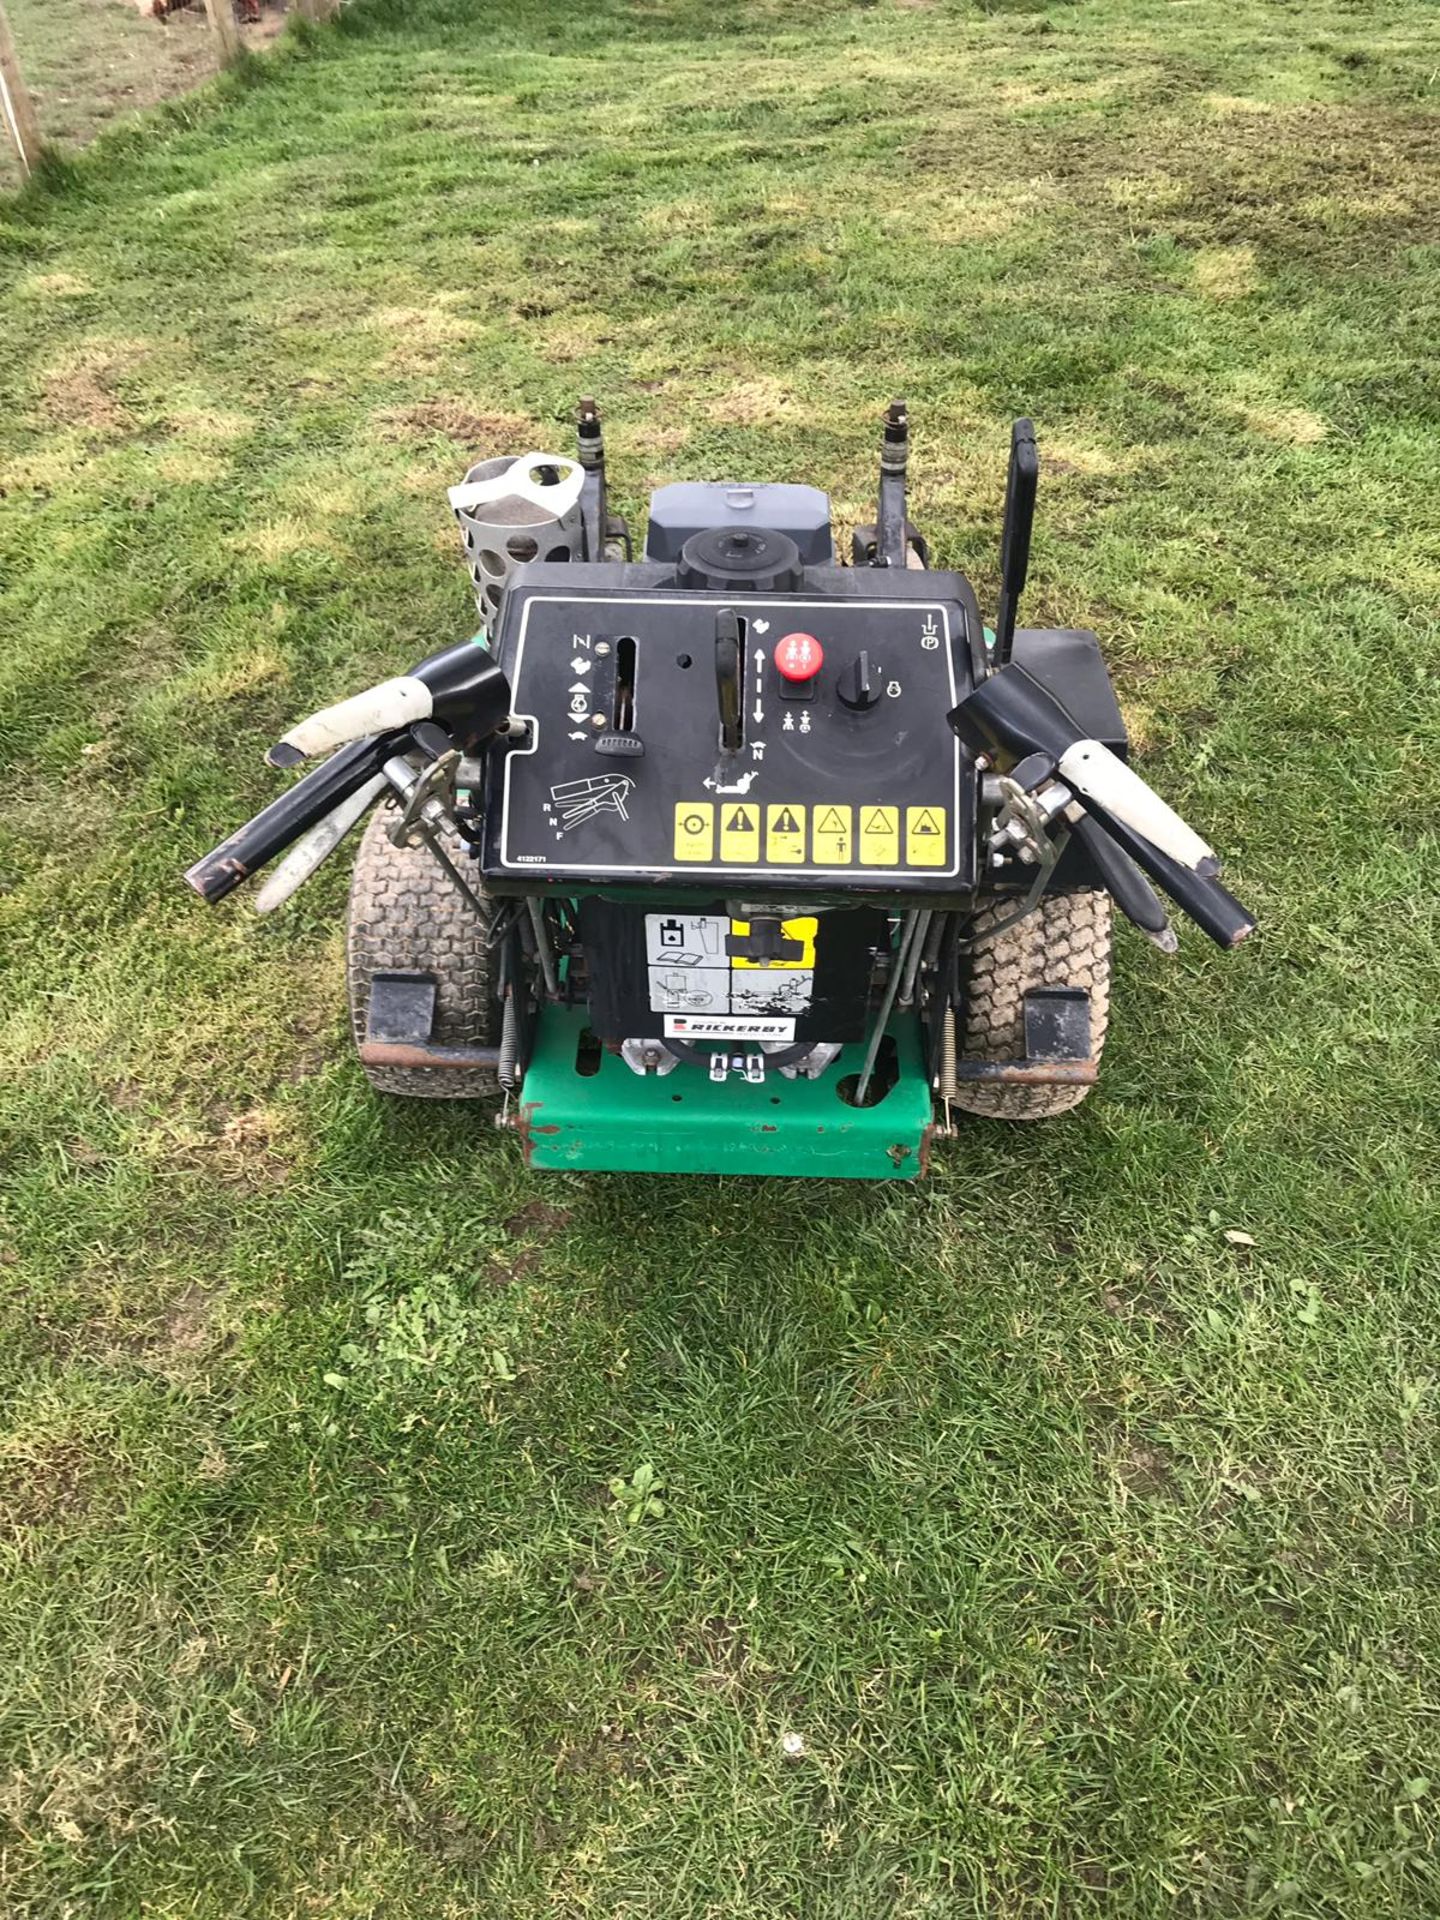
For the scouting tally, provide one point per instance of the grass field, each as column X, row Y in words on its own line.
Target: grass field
column 1090, row 1552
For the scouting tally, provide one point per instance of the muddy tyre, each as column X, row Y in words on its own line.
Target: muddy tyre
column 406, row 916
column 1064, row 943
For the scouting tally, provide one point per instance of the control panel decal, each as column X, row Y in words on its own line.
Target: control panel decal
column 837, row 837
column 740, row 832
column 925, row 836
column 879, row 836
column 785, row 836
column 832, row 836
column 573, row 802
column 694, row 830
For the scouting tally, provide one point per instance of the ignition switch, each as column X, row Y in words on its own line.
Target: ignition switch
column 859, row 687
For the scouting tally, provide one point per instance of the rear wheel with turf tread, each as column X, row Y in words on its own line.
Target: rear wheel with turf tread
column 407, row 916
column 1065, row 942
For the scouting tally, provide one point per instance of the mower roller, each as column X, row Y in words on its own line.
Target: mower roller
column 732, row 858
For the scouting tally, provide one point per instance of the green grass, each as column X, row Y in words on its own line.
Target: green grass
column 1091, row 1554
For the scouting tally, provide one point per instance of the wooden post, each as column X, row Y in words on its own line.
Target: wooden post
column 17, row 109
column 221, row 15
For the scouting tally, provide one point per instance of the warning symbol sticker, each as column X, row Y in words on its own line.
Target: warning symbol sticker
column 694, row 830
column 785, row 836
column 879, row 836
column 832, row 836
column 925, row 836
column 740, row 833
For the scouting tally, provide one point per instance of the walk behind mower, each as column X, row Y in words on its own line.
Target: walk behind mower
column 731, row 858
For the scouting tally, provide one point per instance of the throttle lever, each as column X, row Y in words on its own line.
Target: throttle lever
column 728, row 645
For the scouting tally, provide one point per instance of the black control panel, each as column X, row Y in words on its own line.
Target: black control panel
column 794, row 742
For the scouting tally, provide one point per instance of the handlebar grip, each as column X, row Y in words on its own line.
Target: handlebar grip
column 1129, row 888
column 1213, row 908
column 280, row 824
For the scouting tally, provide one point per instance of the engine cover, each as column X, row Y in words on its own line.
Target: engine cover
column 845, row 781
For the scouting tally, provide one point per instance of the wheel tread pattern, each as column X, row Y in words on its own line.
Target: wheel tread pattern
column 406, row 915
column 1065, row 942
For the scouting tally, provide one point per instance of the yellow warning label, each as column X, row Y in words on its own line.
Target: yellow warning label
column 694, row 830
column 793, row 933
column 833, row 843
column 925, row 836
column 740, row 831
column 785, row 836
column 879, row 836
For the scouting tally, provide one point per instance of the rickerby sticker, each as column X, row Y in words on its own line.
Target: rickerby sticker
column 702, row 1026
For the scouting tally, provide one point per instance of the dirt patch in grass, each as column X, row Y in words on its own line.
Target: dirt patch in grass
column 97, row 1787
column 1226, row 273
column 1296, row 426
column 249, row 1149
column 80, row 392
column 756, row 401
column 534, row 1226
column 188, row 1324
column 538, row 1220
column 1145, row 1472
column 453, row 420
column 45, row 1482
column 54, row 286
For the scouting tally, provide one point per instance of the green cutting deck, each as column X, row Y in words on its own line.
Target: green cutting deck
column 610, row 1120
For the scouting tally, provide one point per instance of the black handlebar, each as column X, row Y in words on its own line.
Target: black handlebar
column 1021, row 485
column 280, row 824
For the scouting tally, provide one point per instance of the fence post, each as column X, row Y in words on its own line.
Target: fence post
column 17, row 109
column 221, row 15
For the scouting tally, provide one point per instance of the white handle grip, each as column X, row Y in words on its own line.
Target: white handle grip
column 394, row 703
column 1093, row 770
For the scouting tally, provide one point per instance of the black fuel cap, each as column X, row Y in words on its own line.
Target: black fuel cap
column 740, row 560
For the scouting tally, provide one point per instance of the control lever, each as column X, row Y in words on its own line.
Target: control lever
column 729, row 651
column 1021, row 485
column 312, row 818
column 314, row 848
column 283, row 822
column 1124, row 881
column 1012, row 717
column 890, row 521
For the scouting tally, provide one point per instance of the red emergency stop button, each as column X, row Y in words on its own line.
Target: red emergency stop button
column 799, row 656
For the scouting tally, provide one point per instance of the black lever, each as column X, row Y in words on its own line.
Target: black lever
column 1021, row 485
column 301, row 807
column 728, row 645
column 590, row 447
column 1013, row 718
column 890, row 527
